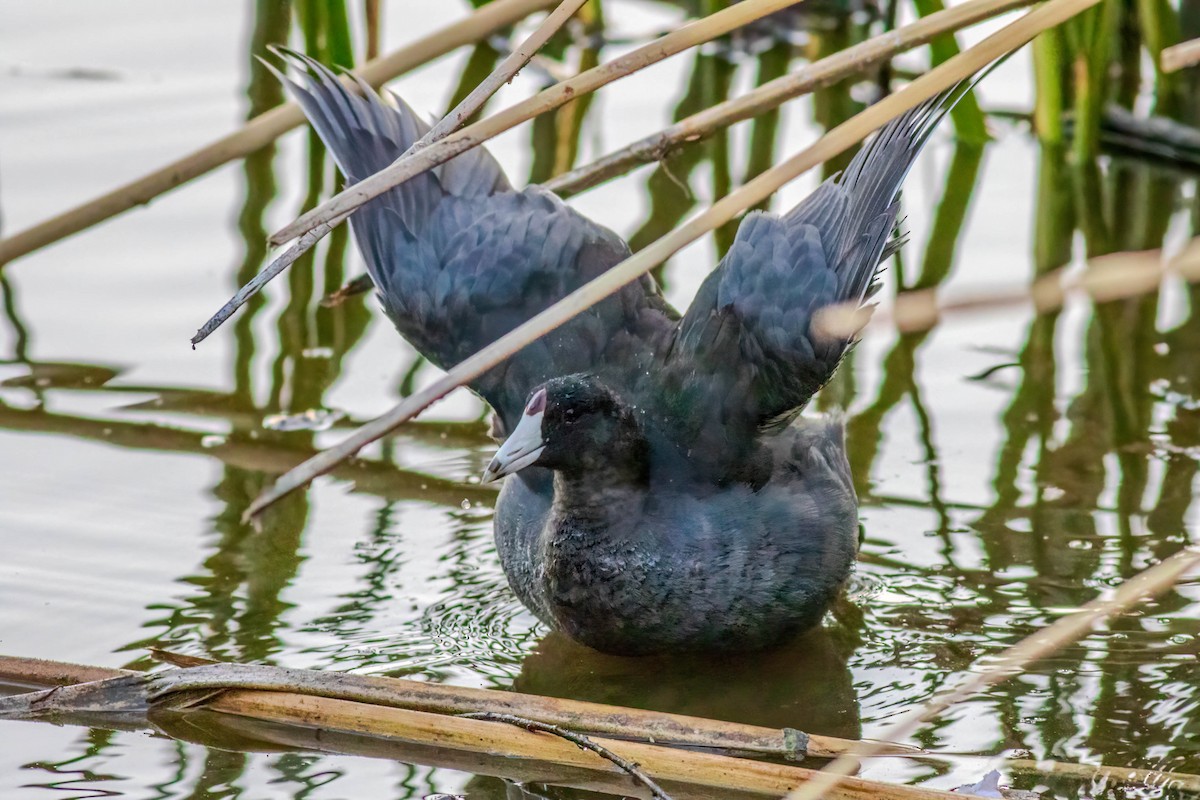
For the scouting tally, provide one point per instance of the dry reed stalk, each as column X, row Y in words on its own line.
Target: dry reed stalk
column 819, row 74
column 1110, row 277
column 504, row 72
column 1168, row 781
column 694, row 33
column 1012, row 661
column 937, row 80
column 709, row 774
column 1178, row 56
column 371, row 12
column 590, row 718
column 262, row 130
column 677, row 767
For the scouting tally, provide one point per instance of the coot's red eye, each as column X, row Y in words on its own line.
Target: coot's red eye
column 537, row 403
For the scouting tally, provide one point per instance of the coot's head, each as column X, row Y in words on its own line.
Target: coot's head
column 577, row 426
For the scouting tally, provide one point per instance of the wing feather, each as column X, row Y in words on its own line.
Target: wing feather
column 746, row 355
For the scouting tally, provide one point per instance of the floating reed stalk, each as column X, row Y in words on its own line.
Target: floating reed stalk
column 694, row 33
column 262, row 130
column 504, row 72
column 433, row 698
column 703, row 773
column 1149, row 583
column 939, row 79
column 127, row 693
column 771, row 95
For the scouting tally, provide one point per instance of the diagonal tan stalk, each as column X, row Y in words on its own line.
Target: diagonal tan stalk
column 261, row 131
column 1109, row 277
column 1048, row 640
column 941, row 78
column 504, row 72
column 1178, row 56
column 827, row 71
column 404, row 168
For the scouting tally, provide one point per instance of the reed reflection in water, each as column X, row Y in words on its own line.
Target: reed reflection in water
column 1009, row 468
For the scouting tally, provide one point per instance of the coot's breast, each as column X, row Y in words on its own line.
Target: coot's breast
column 734, row 569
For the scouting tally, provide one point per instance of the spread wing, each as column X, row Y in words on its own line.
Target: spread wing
column 746, row 354
column 459, row 258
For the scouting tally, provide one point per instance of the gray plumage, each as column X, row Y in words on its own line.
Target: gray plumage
column 670, row 507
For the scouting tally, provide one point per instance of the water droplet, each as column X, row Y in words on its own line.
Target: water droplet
column 212, row 440
column 465, row 504
column 314, row 419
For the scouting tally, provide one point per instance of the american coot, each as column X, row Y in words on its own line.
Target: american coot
column 661, row 494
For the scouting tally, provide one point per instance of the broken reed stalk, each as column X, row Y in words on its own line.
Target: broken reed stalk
column 771, row 95
column 671, row 730
column 38, row 673
column 262, row 130
column 1109, row 277
column 504, row 72
column 1176, row 57
column 432, row 698
column 442, row 736
column 937, row 80
column 667, row 765
column 819, row 74
column 694, row 33
column 281, row 262
column 992, row 670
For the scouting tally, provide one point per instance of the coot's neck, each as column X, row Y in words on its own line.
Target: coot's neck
column 603, row 484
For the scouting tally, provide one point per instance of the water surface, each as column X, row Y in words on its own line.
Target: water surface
column 1010, row 467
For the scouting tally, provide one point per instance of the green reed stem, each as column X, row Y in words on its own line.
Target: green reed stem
column 1091, row 38
column 1159, row 23
column 1048, row 71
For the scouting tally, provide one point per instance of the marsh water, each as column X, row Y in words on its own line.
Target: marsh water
column 1011, row 467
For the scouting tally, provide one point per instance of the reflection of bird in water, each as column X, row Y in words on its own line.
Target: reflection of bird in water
column 805, row 684
column 659, row 499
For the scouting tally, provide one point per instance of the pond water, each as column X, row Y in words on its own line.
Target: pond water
column 1011, row 467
